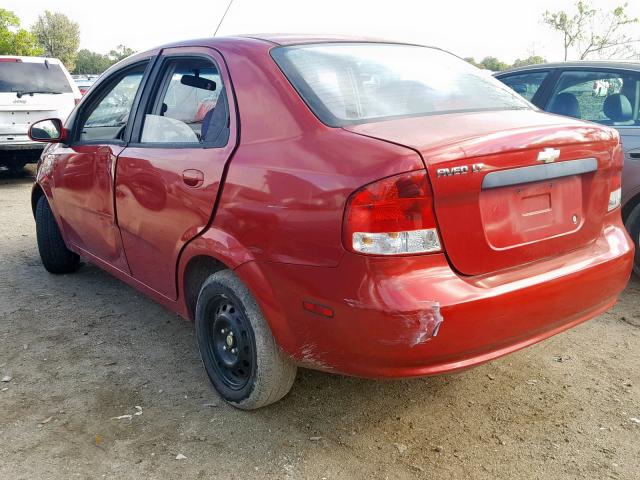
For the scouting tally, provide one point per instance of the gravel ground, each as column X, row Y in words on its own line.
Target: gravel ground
column 82, row 350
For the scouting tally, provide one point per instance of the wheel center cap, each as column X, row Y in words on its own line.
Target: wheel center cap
column 229, row 340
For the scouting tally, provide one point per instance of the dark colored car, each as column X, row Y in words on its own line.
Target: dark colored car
column 605, row 92
column 366, row 208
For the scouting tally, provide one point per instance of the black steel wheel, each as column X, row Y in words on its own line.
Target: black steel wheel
column 231, row 343
column 239, row 353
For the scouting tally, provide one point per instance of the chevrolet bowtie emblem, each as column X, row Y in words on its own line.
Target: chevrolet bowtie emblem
column 548, row 155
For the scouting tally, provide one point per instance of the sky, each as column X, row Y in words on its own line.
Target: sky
column 507, row 29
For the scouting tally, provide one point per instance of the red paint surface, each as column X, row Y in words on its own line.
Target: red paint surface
column 271, row 206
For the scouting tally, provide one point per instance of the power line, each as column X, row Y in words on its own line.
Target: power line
column 222, row 19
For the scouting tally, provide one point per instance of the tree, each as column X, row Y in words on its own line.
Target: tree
column 472, row 61
column 59, row 36
column 488, row 63
column 15, row 40
column 88, row 62
column 120, row 53
column 493, row 64
column 589, row 31
column 532, row 60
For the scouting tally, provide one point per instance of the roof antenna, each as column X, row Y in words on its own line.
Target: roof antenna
column 222, row 19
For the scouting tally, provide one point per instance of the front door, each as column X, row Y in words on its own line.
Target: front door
column 84, row 175
column 168, row 177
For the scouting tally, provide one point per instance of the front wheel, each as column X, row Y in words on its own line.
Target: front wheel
column 237, row 348
column 55, row 255
column 632, row 224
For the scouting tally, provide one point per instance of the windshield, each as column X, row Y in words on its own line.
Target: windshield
column 32, row 77
column 349, row 83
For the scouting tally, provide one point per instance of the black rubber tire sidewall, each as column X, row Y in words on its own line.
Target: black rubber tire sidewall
column 273, row 374
column 55, row 255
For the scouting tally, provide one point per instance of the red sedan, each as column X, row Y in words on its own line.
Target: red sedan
column 366, row 208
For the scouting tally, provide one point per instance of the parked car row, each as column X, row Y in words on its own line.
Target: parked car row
column 84, row 82
column 366, row 208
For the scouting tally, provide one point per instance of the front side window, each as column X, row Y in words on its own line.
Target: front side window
column 526, row 84
column 350, row 83
column 106, row 117
column 610, row 98
column 190, row 106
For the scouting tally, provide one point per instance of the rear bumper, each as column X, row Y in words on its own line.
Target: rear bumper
column 387, row 309
column 20, row 144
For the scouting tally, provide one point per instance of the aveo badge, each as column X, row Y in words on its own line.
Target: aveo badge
column 460, row 170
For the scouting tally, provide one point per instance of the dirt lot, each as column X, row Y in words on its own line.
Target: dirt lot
column 83, row 349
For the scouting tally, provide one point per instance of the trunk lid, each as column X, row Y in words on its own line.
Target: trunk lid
column 501, row 197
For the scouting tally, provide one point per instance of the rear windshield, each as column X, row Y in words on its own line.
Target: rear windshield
column 32, row 77
column 350, row 83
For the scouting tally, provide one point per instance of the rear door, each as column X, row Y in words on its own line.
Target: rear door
column 168, row 177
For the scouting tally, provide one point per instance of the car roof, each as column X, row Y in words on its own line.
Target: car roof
column 618, row 64
column 32, row 59
column 277, row 39
column 296, row 38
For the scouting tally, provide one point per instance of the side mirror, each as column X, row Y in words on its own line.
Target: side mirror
column 49, row 130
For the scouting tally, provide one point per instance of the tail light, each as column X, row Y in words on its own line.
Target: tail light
column 393, row 216
column 615, row 192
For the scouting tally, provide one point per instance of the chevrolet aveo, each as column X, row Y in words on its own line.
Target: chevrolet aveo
column 365, row 208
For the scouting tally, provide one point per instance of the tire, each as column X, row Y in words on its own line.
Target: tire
column 227, row 318
column 55, row 255
column 632, row 224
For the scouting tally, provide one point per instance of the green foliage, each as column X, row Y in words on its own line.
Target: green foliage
column 59, row 36
column 88, row 62
column 532, row 60
column 493, row 64
column 120, row 53
column 588, row 31
column 15, row 40
column 472, row 61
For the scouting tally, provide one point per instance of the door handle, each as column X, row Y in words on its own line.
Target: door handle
column 193, row 178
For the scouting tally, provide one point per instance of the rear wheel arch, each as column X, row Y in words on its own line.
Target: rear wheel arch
column 196, row 272
column 200, row 265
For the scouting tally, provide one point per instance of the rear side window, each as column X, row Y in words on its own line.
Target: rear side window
column 25, row 77
column 350, row 83
column 610, row 98
column 525, row 84
column 190, row 106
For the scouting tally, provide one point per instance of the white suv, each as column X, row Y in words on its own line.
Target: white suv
column 31, row 89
